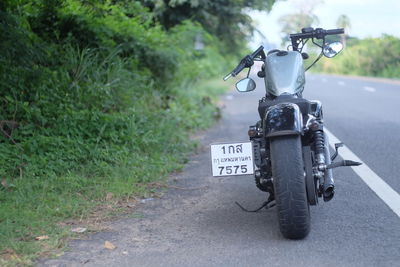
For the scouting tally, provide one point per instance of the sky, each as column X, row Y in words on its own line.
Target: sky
column 369, row 18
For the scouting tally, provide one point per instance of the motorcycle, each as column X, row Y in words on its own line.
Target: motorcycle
column 291, row 152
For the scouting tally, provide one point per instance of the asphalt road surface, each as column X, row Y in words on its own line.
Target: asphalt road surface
column 202, row 226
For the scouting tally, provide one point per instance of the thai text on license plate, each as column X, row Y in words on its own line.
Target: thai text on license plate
column 232, row 159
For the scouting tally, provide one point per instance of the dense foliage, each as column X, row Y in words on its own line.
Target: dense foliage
column 99, row 97
column 82, row 87
column 378, row 57
column 225, row 19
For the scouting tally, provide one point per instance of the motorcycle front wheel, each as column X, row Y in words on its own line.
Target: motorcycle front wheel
column 289, row 186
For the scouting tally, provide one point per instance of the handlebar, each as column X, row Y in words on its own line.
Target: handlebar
column 246, row 62
column 306, row 33
column 257, row 52
column 318, row 33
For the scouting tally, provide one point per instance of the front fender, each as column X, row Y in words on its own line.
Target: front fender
column 283, row 119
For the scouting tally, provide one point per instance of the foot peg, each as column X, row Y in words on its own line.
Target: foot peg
column 343, row 163
column 337, row 145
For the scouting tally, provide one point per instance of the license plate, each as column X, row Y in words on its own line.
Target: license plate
column 232, row 159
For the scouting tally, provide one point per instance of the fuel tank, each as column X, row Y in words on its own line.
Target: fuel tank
column 284, row 73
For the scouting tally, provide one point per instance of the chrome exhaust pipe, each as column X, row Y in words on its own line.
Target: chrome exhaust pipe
column 329, row 184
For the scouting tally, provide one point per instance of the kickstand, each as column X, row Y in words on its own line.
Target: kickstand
column 264, row 205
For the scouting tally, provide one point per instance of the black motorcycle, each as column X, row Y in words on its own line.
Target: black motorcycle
column 291, row 152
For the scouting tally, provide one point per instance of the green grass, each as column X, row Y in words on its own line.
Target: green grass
column 374, row 57
column 35, row 205
column 94, row 103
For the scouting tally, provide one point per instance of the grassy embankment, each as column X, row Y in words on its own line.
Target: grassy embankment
column 93, row 108
column 375, row 57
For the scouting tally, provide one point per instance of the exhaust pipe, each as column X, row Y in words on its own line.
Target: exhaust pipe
column 329, row 184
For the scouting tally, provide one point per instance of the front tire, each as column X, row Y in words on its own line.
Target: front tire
column 289, row 186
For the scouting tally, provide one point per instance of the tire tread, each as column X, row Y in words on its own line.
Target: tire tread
column 290, row 189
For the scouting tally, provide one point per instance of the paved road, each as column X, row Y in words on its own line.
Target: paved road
column 204, row 227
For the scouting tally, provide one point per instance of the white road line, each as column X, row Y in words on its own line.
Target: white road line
column 369, row 89
column 376, row 183
column 341, row 83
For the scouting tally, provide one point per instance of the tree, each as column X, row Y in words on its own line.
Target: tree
column 292, row 23
column 343, row 21
column 226, row 19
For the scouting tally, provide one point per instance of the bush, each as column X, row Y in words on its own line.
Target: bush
column 95, row 98
column 378, row 57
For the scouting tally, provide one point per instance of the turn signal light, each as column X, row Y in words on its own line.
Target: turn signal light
column 252, row 132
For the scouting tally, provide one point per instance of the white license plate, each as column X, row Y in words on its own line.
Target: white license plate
column 232, row 159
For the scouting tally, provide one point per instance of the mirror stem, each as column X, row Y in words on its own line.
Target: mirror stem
column 248, row 72
column 315, row 61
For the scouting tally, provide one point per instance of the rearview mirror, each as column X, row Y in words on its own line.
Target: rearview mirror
column 332, row 49
column 245, row 85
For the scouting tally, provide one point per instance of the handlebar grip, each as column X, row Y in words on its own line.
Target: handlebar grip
column 246, row 62
column 238, row 69
column 334, row 31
